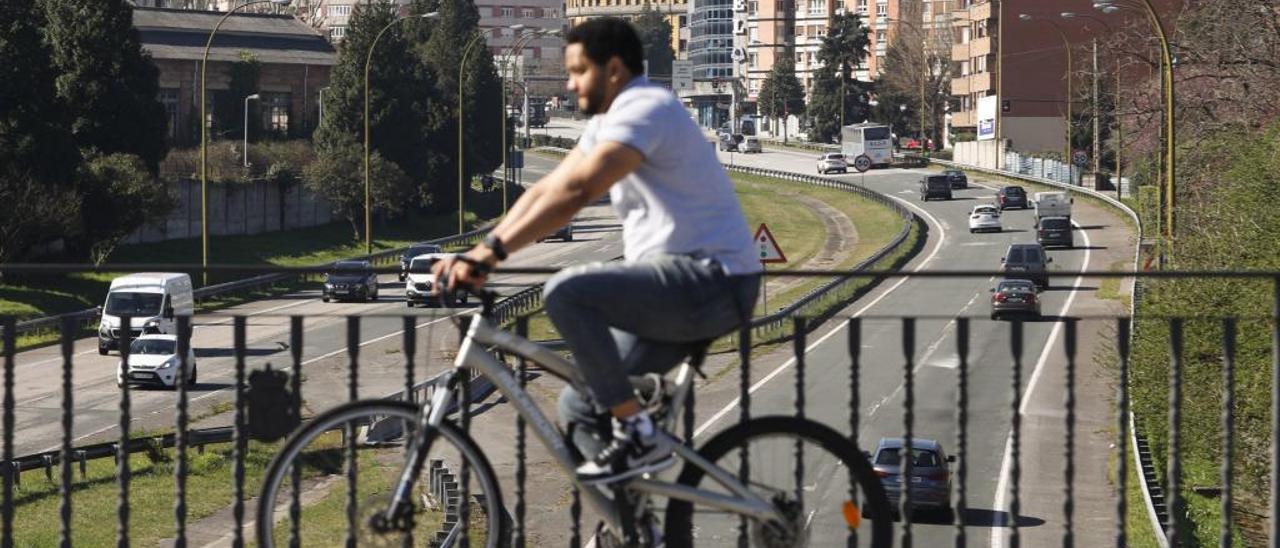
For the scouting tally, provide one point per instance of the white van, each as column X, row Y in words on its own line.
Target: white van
column 151, row 299
column 1053, row 204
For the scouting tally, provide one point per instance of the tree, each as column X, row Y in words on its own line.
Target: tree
column 655, row 34
column 125, row 196
column 835, row 94
column 106, row 84
column 781, row 94
column 38, row 156
column 399, row 97
column 338, row 175
column 228, row 111
column 918, row 68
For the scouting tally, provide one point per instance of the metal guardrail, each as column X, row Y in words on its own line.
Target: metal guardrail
column 389, row 256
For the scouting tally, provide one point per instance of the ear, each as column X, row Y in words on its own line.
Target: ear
column 614, row 68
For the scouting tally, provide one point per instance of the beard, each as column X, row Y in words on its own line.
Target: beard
column 593, row 100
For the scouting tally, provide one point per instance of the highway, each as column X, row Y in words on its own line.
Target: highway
column 1102, row 241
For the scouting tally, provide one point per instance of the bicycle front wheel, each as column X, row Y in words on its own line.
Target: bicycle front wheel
column 811, row 473
column 332, row 480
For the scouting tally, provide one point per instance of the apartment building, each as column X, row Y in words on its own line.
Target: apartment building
column 677, row 13
column 1032, row 109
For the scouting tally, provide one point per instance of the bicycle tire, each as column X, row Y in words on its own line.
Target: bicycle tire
column 496, row 530
column 680, row 513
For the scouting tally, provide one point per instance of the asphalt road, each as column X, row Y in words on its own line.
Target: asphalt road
column 96, row 399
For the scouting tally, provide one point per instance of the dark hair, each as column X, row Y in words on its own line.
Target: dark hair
column 606, row 37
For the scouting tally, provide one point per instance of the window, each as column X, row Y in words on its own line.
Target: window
column 275, row 113
column 751, row 60
column 508, row 12
column 169, row 98
column 339, row 10
column 337, row 32
column 528, row 13
column 862, row 6
column 817, row 7
column 879, row 36
column 882, row 10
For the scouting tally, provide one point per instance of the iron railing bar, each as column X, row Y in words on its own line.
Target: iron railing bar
column 410, row 329
column 240, row 442
column 1174, row 479
column 1123, row 327
column 962, row 430
column 1069, row 469
column 10, row 472
column 295, row 472
column 353, row 394
column 123, row 471
column 68, row 410
column 180, row 439
column 798, row 346
column 518, row 540
column 1275, row 411
column 1015, row 434
column 1228, row 425
column 855, row 401
column 908, row 419
column 464, row 477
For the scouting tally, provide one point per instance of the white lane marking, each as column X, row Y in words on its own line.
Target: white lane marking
column 1002, row 486
column 937, row 246
column 982, row 244
column 220, row 390
column 951, row 361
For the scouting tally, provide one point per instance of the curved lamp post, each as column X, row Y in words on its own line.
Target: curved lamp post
column 1170, row 146
column 1066, row 44
column 462, row 65
column 368, row 217
column 517, row 46
column 1097, row 156
column 204, row 134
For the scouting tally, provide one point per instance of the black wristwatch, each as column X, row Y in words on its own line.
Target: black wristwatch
column 495, row 244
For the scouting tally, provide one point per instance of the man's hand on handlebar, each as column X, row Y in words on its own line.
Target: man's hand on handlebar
column 469, row 270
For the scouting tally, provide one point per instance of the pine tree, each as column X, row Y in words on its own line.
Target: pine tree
column 655, row 34
column 483, row 120
column 38, row 156
column 835, row 94
column 399, row 95
column 782, row 94
column 105, row 83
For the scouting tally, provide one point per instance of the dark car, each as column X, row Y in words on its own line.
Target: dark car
column 420, row 248
column 1026, row 262
column 930, row 473
column 564, row 234
column 958, row 178
column 935, row 186
column 1014, row 296
column 350, row 280
column 729, row 142
column 1012, row 196
column 1054, row 231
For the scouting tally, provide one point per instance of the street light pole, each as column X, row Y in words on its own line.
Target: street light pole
column 204, row 135
column 462, row 63
column 928, row 73
column 1097, row 155
column 253, row 97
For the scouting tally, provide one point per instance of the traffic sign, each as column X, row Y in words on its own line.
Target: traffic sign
column 768, row 247
column 862, row 163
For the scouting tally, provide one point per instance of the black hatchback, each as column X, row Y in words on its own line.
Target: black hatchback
column 958, row 178
column 1010, row 197
column 935, row 186
column 1054, row 231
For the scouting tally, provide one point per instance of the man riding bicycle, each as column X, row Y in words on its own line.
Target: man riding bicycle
column 690, row 273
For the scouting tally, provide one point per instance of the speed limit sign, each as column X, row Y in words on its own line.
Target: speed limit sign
column 862, row 163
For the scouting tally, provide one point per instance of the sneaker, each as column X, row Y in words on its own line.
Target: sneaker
column 630, row 453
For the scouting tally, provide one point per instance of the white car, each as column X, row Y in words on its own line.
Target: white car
column 984, row 218
column 153, row 359
column 420, row 285
column 832, row 161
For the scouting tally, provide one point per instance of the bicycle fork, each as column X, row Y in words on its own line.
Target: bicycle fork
column 398, row 514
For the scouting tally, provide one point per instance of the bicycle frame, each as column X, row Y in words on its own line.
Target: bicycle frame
column 472, row 355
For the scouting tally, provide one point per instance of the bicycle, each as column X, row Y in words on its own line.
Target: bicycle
column 768, row 514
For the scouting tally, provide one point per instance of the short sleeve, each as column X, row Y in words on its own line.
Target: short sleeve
column 637, row 123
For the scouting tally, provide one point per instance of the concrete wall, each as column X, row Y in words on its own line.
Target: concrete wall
column 236, row 209
column 976, row 153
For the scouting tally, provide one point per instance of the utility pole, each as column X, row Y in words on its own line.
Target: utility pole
column 1097, row 158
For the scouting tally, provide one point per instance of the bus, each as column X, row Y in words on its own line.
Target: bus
column 873, row 140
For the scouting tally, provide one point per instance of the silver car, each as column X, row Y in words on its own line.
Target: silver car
column 832, row 161
column 750, row 144
column 930, row 473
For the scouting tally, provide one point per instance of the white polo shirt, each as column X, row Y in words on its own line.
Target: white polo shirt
column 680, row 200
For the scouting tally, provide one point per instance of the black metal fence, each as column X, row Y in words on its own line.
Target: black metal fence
column 986, row 389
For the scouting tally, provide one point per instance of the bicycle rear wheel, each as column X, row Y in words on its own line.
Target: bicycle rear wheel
column 328, row 510
column 820, row 496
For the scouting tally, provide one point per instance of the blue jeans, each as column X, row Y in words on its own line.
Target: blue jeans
column 622, row 319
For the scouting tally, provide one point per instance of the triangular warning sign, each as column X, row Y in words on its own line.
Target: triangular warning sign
column 768, row 247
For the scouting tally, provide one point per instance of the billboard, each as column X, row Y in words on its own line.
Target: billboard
column 987, row 117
